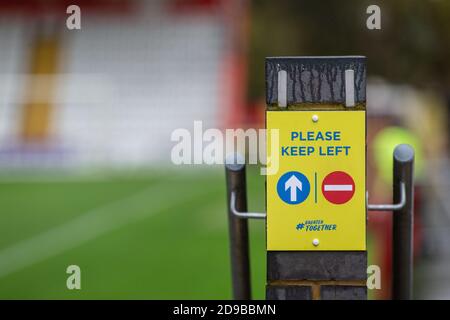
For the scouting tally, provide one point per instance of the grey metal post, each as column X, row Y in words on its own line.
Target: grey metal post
column 238, row 232
column 402, row 281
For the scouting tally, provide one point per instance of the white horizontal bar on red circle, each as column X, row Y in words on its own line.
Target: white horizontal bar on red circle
column 338, row 187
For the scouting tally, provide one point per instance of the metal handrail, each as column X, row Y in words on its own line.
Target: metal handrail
column 403, row 223
column 370, row 207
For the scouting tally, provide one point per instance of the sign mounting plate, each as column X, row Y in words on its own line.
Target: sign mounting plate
column 316, row 200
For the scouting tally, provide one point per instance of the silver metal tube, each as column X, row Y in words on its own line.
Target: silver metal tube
column 391, row 207
column 244, row 215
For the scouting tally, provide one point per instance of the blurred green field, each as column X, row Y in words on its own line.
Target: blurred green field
column 150, row 235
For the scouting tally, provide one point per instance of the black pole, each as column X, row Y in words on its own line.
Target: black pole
column 402, row 278
column 238, row 231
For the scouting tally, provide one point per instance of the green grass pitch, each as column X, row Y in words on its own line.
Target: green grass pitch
column 140, row 236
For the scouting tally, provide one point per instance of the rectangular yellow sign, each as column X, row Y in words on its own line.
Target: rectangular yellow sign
column 316, row 180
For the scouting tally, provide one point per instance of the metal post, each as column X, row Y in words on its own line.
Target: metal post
column 402, row 282
column 238, row 231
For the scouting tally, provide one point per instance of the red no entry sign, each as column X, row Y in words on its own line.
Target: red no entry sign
column 338, row 187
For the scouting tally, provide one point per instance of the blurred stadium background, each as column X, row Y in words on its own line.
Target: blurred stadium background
column 86, row 117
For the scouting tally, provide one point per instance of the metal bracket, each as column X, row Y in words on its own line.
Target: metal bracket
column 245, row 215
column 391, row 207
column 370, row 207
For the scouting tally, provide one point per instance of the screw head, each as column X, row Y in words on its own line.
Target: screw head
column 315, row 118
column 315, row 242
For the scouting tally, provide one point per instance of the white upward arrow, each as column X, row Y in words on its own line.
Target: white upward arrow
column 293, row 183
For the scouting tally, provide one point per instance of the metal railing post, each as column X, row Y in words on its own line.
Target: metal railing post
column 238, row 232
column 403, row 221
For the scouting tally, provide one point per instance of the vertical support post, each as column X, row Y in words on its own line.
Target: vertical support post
column 238, row 232
column 402, row 281
column 305, row 260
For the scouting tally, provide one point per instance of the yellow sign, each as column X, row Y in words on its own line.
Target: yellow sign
column 316, row 200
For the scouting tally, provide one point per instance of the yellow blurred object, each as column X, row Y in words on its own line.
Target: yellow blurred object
column 40, row 89
column 384, row 144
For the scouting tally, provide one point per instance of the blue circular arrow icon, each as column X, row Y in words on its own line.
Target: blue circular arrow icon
column 293, row 187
